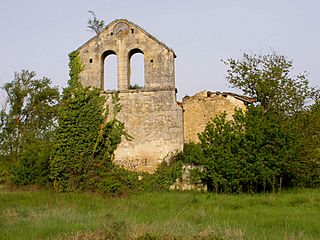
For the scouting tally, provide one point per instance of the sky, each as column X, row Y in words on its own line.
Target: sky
column 38, row 35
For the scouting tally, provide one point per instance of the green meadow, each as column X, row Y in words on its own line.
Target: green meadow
column 44, row 214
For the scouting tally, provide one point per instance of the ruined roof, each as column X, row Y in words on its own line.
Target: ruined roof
column 202, row 94
column 240, row 97
column 135, row 25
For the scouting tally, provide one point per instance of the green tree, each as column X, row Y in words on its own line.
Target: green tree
column 220, row 144
column 307, row 126
column 267, row 147
column 254, row 152
column 288, row 103
column 94, row 24
column 269, row 80
column 26, row 125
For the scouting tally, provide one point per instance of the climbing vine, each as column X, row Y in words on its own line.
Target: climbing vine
column 83, row 134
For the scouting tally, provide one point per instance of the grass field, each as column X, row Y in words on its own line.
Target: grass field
column 173, row 215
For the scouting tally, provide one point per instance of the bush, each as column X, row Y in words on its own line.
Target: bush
column 33, row 167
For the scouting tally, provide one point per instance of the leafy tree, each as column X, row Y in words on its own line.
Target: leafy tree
column 307, row 126
column 251, row 153
column 27, row 123
column 94, row 24
column 220, row 145
column 267, row 147
column 268, row 79
column 289, row 104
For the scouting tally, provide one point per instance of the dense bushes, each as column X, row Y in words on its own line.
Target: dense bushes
column 275, row 143
column 258, row 152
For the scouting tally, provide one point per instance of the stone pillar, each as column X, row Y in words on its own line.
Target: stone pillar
column 123, row 63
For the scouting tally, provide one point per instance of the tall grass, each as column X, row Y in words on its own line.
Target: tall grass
column 171, row 215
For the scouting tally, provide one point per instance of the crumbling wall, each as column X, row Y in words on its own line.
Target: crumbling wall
column 202, row 107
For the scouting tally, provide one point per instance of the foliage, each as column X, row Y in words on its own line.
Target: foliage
column 268, row 79
column 26, row 126
column 192, row 154
column 307, row 126
column 251, row 153
column 33, row 167
column 165, row 175
column 84, row 139
column 220, row 146
column 275, row 143
column 95, row 25
column 135, row 86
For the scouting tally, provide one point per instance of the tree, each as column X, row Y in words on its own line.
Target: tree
column 268, row 79
column 254, row 152
column 94, row 24
column 274, row 144
column 28, row 120
column 220, row 144
column 307, row 126
column 290, row 107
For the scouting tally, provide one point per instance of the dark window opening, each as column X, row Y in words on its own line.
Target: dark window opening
column 111, row 33
column 132, row 30
column 151, row 60
column 90, row 61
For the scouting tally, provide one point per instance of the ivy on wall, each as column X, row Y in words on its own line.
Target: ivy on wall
column 83, row 134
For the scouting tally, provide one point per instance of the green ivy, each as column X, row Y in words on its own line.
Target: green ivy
column 75, row 68
column 83, row 134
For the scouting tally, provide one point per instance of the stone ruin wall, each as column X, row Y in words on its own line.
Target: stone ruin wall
column 151, row 115
column 154, row 121
column 202, row 107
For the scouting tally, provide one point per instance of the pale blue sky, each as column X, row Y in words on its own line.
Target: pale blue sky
column 39, row 34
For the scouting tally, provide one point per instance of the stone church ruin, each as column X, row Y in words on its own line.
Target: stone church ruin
column 151, row 114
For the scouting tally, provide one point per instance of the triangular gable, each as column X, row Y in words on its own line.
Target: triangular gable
column 129, row 23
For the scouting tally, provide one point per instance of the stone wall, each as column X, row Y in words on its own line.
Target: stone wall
column 202, row 107
column 154, row 121
column 151, row 115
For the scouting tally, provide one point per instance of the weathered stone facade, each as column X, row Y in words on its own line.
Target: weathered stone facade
column 151, row 115
column 202, row 107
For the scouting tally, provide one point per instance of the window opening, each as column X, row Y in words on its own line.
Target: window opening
column 136, row 69
column 109, row 72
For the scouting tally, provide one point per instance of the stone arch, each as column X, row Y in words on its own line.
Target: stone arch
column 136, row 68
column 106, row 83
